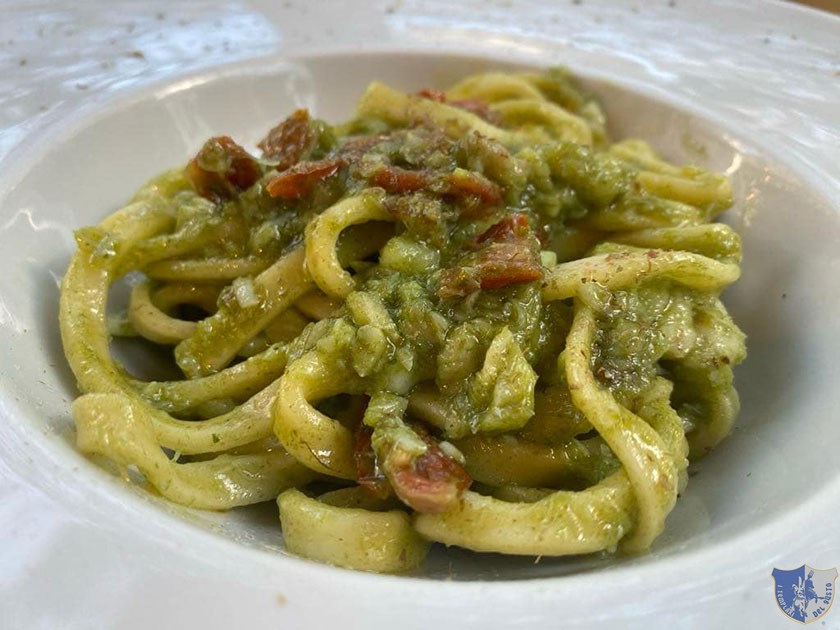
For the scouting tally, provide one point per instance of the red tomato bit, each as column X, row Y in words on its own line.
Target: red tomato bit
column 288, row 141
column 432, row 482
column 507, row 255
column 463, row 183
column 222, row 169
column 300, row 179
column 513, row 226
column 398, row 180
column 432, row 95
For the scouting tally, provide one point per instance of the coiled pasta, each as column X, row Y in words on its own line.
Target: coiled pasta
column 466, row 311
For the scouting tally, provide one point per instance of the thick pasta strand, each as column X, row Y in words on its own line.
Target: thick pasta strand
column 112, row 425
column 618, row 270
column 322, row 238
column 714, row 240
column 204, row 296
column 206, row 270
column 217, row 339
column 318, row 441
column 563, row 523
column 402, row 109
column 643, row 454
column 492, row 87
column 86, row 338
column 561, row 124
column 242, row 380
column 151, row 322
column 384, row 542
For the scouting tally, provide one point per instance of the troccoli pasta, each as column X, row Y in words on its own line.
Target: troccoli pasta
column 464, row 316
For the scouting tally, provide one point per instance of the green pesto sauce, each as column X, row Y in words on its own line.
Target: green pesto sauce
column 454, row 341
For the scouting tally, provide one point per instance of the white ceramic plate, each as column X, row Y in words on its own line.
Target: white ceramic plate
column 101, row 98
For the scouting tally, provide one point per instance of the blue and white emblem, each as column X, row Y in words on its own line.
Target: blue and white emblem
column 805, row 594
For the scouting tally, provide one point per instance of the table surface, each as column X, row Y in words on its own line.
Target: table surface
column 826, row 5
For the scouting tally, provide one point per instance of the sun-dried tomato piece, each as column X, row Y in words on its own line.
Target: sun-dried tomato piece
column 431, row 482
column 432, row 95
column 221, row 169
column 514, row 225
column 508, row 254
column 457, row 282
column 462, row 183
column 288, row 141
column 398, row 180
column 504, row 264
column 296, row 182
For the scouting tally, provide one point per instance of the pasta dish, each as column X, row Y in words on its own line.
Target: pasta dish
column 463, row 316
